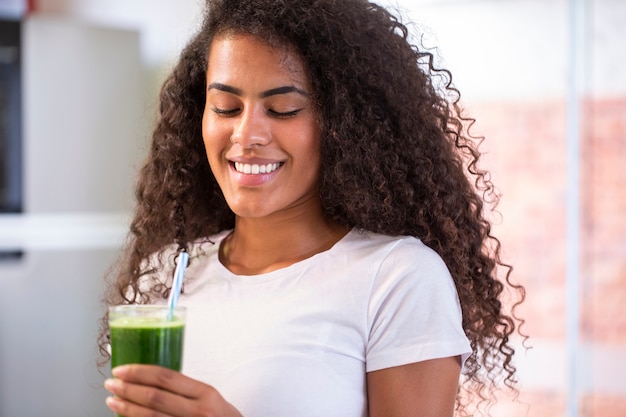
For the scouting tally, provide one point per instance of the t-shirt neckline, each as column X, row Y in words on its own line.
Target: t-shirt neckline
column 277, row 273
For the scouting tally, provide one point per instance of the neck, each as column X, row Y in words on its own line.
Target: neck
column 262, row 245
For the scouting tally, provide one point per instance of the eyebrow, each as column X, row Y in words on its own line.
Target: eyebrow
column 265, row 94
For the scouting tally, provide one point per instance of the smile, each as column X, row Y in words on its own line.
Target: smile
column 254, row 169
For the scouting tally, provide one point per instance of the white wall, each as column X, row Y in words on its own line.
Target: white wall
column 164, row 25
column 494, row 48
column 83, row 124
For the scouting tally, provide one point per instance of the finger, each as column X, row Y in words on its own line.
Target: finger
column 126, row 408
column 164, row 378
column 141, row 400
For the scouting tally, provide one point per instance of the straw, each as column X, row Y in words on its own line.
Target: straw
column 177, row 283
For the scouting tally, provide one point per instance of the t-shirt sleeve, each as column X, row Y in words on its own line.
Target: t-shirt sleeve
column 414, row 312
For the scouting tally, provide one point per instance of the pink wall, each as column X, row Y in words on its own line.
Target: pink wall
column 526, row 145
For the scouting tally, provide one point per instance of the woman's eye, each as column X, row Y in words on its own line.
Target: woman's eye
column 283, row 115
column 225, row 112
column 233, row 112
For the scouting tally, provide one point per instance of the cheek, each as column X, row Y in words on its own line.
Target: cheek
column 314, row 143
column 211, row 139
column 210, row 132
column 205, row 130
column 311, row 153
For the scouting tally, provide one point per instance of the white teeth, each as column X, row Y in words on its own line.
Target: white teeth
column 256, row 169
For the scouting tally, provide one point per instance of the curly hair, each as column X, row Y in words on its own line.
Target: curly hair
column 397, row 158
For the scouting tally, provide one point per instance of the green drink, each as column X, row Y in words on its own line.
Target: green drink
column 147, row 334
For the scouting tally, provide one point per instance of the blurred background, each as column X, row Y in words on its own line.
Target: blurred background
column 544, row 79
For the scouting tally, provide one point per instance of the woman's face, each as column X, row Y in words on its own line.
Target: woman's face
column 260, row 128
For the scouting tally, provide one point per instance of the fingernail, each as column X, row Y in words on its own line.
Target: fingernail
column 111, row 384
column 112, row 403
column 118, row 371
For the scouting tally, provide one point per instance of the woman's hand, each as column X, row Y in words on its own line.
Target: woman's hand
column 149, row 390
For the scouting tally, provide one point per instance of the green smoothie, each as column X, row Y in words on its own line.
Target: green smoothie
column 148, row 340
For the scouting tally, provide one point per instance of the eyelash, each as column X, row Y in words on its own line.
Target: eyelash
column 279, row 115
column 222, row 112
column 284, row 115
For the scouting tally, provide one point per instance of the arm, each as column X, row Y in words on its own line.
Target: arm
column 421, row 389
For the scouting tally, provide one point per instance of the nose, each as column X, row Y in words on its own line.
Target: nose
column 251, row 129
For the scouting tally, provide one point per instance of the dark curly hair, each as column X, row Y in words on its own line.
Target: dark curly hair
column 397, row 158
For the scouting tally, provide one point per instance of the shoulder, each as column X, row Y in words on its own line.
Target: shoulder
column 414, row 313
column 404, row 270
column 366, row 238
column 397, row 252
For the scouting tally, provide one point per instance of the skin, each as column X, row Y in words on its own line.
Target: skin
column 422, row 389
column 259, row 112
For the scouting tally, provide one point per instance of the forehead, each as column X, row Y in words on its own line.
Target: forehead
column 237, row 55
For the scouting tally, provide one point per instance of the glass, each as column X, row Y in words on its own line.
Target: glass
column 147, row 334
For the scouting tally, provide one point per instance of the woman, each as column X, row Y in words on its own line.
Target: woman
column 330, row 199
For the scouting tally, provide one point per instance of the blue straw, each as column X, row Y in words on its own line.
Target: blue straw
column 177, row 283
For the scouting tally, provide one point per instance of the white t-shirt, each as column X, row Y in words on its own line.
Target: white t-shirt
column 298, row 341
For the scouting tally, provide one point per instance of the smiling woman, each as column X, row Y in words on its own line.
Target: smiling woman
column 262, row 118
column 330, row 199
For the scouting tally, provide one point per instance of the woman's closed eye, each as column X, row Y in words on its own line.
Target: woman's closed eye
column 225, row 112
column 283, row 114
column 271, row 112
